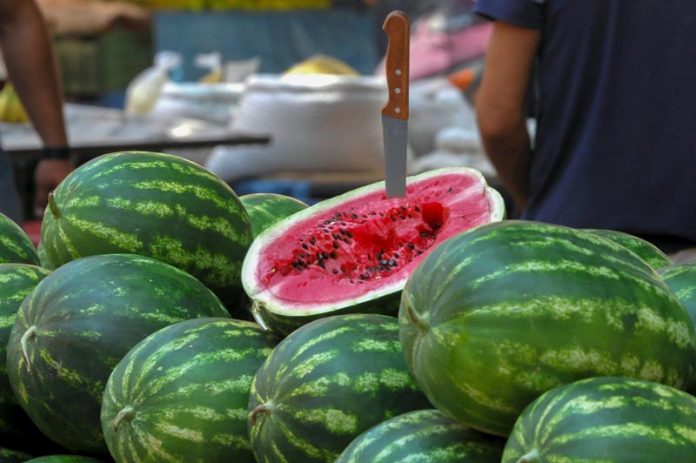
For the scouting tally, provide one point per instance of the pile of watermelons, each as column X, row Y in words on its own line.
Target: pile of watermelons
column 164, row 319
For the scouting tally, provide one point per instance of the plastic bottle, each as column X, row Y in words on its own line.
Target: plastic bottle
column 143, row 91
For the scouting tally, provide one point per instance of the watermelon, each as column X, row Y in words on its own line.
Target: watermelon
column 265, row 209
column 152, row 204
column 181, row 394
column 327, row 383
column 644, row 249
column 15, row 245
column 16, row 282
column 426, row 436
column 681, row 279
column 354, row 253
column 64, row 459
column 496, row 316
column 79, row 323
column 612, row 420
column 12, row 456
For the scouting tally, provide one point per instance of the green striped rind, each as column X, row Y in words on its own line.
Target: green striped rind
column 681, row 279
column 327, row 383
column 64, row 459
column 152, row 204
column 498, row 315
column 606, row 420
column 15, row 245
column 16, row 282
column 275, row 315
column 87, row 315
column 422, row 436
column 41, row 253
column 644, row 249
column 181, row 394
column 265, row 209
column 12, row 456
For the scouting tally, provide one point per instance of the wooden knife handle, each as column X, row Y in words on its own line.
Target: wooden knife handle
column 397, row 64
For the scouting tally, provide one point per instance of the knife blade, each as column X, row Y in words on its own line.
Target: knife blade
column 396, row 110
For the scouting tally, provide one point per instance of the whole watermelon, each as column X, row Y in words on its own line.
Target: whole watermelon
column 496, row 316
column 15, row 245
column 644, row 249
column 425, row 436
column 265, row 209
column 608, row 420
column 64, row 459
column 681, row 279
column 16, row 282
column 327, row 383
column 185, row 387
column 77, row 325
column 13, row 456
column 152, row 204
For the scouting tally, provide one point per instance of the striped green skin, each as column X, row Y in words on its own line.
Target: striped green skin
column 156, row 205
column 41, row 253
column 327, row 383
column 425, row 436
column 85, row 316
column 181, row 394
column 12, row 456
column 644, row 249
column 497, row 316
column 265, row 209
column 606, row 420
column 681, row 279
column 15, row 245
column 64, row 459
column 16, row 282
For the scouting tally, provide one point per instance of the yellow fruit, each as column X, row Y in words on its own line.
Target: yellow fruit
column 11, row 108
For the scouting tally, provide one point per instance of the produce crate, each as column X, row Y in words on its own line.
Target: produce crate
column 91, row 65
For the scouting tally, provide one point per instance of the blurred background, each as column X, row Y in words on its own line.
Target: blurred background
column 272, row 95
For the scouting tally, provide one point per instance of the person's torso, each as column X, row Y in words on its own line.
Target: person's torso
column 616, row 140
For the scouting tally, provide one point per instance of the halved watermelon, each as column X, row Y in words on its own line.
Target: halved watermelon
column 354, row 252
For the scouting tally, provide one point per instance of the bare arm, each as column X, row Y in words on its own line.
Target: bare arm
column 31, row 66
column 500, row 106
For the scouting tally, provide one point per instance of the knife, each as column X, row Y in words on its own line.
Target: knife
column 395, row 111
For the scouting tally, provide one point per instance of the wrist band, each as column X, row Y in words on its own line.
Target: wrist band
column 61, row 152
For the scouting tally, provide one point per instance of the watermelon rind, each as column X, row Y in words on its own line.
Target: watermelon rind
column 153, row 204
column 16, row 282
column 273, row 314
column 64, row 459
column 498, row 315
column 606, row 419
column 13, row 456
column 265, row 209
column 185, row 387
column 78, row 323
column 15, row 245
column 327, row 383
column 644, row 249
column 681, row 279
column 423, row 435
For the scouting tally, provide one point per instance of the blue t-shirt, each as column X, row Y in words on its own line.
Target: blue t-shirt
column 616, row 114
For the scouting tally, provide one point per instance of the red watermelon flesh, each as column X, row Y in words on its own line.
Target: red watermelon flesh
column 344, row 250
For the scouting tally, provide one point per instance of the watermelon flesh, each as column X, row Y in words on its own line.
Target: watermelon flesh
column 363, row 245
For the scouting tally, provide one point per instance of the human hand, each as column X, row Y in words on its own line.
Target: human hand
column 48, row 174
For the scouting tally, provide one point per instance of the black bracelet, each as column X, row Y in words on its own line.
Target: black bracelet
column 61, row 152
